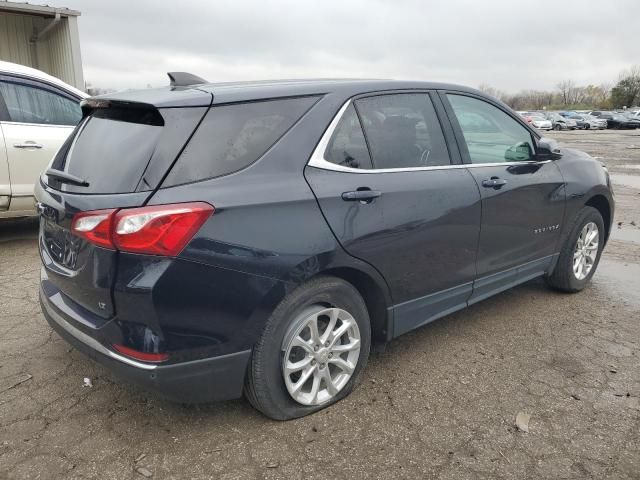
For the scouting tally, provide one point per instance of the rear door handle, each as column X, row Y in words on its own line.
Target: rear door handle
column 364, row 195
column 494, row 182
column 28, row 144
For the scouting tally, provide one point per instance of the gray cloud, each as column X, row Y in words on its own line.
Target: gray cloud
column 509, row 45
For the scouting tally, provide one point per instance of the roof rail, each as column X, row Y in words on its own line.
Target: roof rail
column 184, row 79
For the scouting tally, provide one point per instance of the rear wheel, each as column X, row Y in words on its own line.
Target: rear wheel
column 580, row 254
column 312, row 352
column 557, row 127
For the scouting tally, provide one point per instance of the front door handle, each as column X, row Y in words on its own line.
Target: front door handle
column 365, row 195
column 494, row 182
column 28, row 144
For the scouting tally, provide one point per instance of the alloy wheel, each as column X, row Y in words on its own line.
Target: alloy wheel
column 586, row 251
column 321, row 353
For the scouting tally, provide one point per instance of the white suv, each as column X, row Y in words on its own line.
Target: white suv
column 37, row 114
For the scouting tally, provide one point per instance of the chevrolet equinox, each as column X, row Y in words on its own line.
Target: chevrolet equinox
column 209, row 240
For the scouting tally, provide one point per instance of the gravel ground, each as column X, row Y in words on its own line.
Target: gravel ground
column 440, row 402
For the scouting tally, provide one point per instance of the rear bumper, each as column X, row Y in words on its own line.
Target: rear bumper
column 204, row 380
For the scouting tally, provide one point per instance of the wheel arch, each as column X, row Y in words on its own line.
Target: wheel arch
column 600, row 203
column 375, row 298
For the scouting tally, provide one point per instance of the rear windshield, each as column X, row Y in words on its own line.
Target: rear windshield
column 98, row 152
column 231, row 137
column 112, row 148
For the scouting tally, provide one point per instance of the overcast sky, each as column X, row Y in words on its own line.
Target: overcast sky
column 508, row 44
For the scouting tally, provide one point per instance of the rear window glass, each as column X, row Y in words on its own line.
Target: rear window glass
column 231, row 137
column 111, row 154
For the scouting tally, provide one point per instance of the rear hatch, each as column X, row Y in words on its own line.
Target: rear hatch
column 115, row 158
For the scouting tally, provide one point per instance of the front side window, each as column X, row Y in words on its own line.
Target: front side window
column 491, row 135
column 403, row 131
column 347, row 146
column 27, row 104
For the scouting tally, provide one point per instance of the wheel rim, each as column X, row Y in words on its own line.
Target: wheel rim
column 321, row 353
column 586, row 251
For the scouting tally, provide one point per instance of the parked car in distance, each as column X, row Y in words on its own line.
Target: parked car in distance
column 633, row 121
column 589, row 122
column 559, row 122
column 580, row 123
column 526, row 116
column 539, row 122
column 618, row 120
column 37, row 114
column 205, row 240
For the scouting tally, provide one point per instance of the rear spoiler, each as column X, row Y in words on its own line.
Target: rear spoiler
column 125, row 111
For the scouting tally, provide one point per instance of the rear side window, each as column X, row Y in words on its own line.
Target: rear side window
column 231, row 137
column 347, row 146
column 27, row 104
column 403, row 131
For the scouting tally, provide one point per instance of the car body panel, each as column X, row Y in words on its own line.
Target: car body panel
column 520, row 220
column 24, row 163
column 584, row 180
column 421, row 234
column 5, row 179
column 281, row 221
column 77, row 268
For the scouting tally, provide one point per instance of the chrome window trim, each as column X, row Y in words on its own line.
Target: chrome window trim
column 318, row 160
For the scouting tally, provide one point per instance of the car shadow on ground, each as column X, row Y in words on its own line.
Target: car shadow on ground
column 18, row 229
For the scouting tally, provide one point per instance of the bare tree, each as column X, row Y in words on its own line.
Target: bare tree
column 494, row 92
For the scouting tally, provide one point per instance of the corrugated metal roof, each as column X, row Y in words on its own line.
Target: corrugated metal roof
column 40, row 10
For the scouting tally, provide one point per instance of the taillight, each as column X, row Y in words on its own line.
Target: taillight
column 94, row 226
column 158, row 229
column 138, row 355
column 154, row 230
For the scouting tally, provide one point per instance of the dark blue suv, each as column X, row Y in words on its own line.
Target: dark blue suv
column 205, row 240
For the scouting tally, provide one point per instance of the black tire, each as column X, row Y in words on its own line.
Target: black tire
column 264, row 386
column 557, row 127
column 563, row 278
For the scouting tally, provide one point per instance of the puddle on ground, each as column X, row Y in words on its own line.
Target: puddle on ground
column 626, row 234
column 632, row 181
column 619, row 278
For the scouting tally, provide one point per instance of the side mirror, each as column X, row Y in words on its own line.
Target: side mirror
column 548, row 149
column 521, row 152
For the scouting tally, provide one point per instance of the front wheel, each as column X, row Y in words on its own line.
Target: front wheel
column 580, row 253
column 312, row 351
